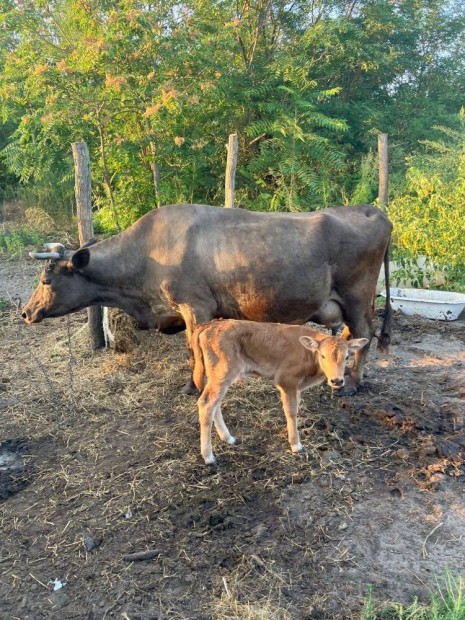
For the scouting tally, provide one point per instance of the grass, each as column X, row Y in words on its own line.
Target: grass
column 448, row 604
column 15, row 241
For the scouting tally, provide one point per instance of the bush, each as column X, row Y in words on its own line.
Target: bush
column 16, row 240
column 39, row 221
column 429, row 219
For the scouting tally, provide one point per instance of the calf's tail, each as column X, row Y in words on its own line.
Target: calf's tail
column 198, row 374
column 384, row 337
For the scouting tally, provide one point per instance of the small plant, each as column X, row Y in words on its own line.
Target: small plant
column 3, row 304
column 448, row 604
column 408, row 271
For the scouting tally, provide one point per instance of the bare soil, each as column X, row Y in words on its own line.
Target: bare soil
column 99, row 459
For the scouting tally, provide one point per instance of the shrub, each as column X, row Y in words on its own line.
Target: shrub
column 428, row 220
column 39, row 221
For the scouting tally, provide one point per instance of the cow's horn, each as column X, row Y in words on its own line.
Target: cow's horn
column 45, row 255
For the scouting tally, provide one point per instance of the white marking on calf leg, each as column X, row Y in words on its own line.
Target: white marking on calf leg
column 221, row 427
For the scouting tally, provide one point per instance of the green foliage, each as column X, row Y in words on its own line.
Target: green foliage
column 449, row 604
column 155, row 89
column 365, row 190
column 408, row 270
column 15, row 241
column 428, row 220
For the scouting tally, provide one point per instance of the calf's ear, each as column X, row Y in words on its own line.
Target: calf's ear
column 309, row 343
column 80, row 258
column 357, row 343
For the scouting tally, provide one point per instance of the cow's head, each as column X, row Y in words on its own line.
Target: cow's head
column 333, row 353
column 63, row 287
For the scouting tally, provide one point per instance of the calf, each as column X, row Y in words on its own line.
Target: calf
column 294, row 356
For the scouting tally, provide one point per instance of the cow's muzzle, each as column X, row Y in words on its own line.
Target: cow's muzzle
column 32, row 317
column 336, row 384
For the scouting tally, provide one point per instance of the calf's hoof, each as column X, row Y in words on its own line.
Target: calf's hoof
column 232, row 440
column 210, row 460
column 297, row 447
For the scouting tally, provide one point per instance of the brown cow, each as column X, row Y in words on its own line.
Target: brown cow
column 225, row 351
column 183, row 265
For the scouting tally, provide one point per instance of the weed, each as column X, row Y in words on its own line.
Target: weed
column 448, row 604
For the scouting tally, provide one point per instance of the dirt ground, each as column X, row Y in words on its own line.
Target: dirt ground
column 99, row 459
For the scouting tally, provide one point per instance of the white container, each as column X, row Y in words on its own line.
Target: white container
column 441, row 305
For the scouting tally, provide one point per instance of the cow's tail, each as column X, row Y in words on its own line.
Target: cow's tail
column 384, row 337
column 198, row 374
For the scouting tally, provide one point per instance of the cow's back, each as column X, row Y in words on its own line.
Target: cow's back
column 277, row 267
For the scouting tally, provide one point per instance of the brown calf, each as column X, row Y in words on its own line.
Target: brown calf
column 225, row 351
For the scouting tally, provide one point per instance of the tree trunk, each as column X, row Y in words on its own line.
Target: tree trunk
column 83, row 192
column 230, row 181
column 383, row 169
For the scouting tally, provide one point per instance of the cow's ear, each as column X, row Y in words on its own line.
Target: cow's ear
column 80, row 259
column 309, row 343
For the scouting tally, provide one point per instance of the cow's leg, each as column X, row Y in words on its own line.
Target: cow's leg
column 221, row 427
column 290, row 400
column 360, row 325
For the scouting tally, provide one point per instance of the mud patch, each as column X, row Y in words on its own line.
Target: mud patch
column 13, row 474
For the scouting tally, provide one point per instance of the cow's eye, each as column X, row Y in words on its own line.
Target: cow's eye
column 322, row 356
column 46, row 282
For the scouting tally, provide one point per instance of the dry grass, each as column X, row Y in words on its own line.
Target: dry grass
column 113, row 453
column 240, row 598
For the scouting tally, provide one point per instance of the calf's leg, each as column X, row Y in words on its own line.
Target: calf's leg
column 209, row 403
column 290, row 400
column 221, row 427
column 192, row 318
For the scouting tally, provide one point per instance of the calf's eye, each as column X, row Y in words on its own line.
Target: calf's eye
column 46, row 282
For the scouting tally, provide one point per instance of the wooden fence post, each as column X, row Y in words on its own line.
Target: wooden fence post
column 83, row 193
column 230, row 180
column 383, row 162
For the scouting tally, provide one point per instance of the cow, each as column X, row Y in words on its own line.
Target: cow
column 295, row 357
column 182, row 265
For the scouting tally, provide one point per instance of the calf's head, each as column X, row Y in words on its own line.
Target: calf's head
column 63, row 287
column 333, row 353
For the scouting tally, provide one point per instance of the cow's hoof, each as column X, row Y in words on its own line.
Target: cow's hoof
column 232, row 440
column 210, row 460
column 298, row 447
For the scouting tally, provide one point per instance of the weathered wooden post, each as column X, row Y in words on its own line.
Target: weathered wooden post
column 83, row 193
column 383, row 163
column 231, row 162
